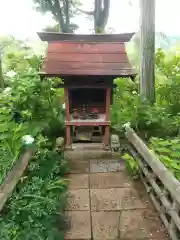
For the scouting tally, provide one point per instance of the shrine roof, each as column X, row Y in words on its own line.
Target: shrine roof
column 82, row 55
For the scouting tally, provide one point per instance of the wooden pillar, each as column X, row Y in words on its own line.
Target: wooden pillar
column 107, row 117
column 66, row 95
column 68, row 136
column 106, row 137
column 68, row 130
column 108, row 101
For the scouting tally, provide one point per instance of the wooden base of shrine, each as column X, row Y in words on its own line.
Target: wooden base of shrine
column 103, row 139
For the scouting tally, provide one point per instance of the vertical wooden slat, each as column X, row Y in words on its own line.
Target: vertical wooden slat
column 172, row 226
column 67, row 110
column 66, row 95
column 106, row 137
column 159, row 191
column 68, row 137
column 107, row 117
column 108, row 101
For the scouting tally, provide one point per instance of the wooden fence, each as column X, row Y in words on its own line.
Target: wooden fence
column 162, row 186
column 13, row 177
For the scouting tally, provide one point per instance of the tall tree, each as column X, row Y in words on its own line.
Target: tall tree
column 100, row 14
column 62, row 10
column 147, row 50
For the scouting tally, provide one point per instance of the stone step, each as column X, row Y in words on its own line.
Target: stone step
column 81, row 155
column 96, row 165
column 87, row 146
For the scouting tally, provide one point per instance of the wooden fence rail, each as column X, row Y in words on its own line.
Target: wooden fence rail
column 13, row 177
column 160, row 183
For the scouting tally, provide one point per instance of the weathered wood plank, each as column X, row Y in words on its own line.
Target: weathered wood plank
column 13, row 178
column 167, row 207
column 86, row 86
column 55, row 64
column 166, row 177
column 88, row 57
column 92, row 72
column 80, row 47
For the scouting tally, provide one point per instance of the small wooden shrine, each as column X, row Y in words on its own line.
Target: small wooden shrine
column 88, row 64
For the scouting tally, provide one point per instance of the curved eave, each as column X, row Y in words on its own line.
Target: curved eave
column 44, row 74
column 57, row 37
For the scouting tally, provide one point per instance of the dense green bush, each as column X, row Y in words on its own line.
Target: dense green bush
column 28, row 105
column 161, row 119
column 131, row 165
column 31, row 106
column 168, row 151
column 35, row 209
column 38, row 109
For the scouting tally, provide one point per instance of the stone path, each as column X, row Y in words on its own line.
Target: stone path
column 104, row 203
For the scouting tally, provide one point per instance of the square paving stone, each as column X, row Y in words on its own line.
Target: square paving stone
column 141, row 224
column 80, row 225
column 109, row 180
column 98, row 166
column 105, row 225
column 78, row 200
column 78, row 181
column 114, row 199
column 79, row 166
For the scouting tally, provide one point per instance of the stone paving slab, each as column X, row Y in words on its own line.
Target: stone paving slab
column 110, row 180
column 141, row 224
column 115, row 199
column 79, row 166
column 78, row 181
column 105, row 225
column 78, row 200
column 90, row 154
column 80, row 225
column 104, row 203
column 102, row 166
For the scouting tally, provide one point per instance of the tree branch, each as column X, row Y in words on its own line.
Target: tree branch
column 7, row 44
column 90, row 13
column 53, row 9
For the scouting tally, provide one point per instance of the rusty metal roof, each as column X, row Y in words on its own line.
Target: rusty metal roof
column 99, row 55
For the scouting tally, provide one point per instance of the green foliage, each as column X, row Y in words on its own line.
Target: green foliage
column 37, row 105
column 31, row 106
column 131, row 165
column 168, row 152
column 35, row 208
column 161, row 119
column 19, row 58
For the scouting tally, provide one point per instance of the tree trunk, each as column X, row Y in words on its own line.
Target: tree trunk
column 1, row 76
column 101, row 15
column 147, row 50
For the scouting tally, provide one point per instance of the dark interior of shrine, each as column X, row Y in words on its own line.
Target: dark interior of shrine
column 88, row 96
